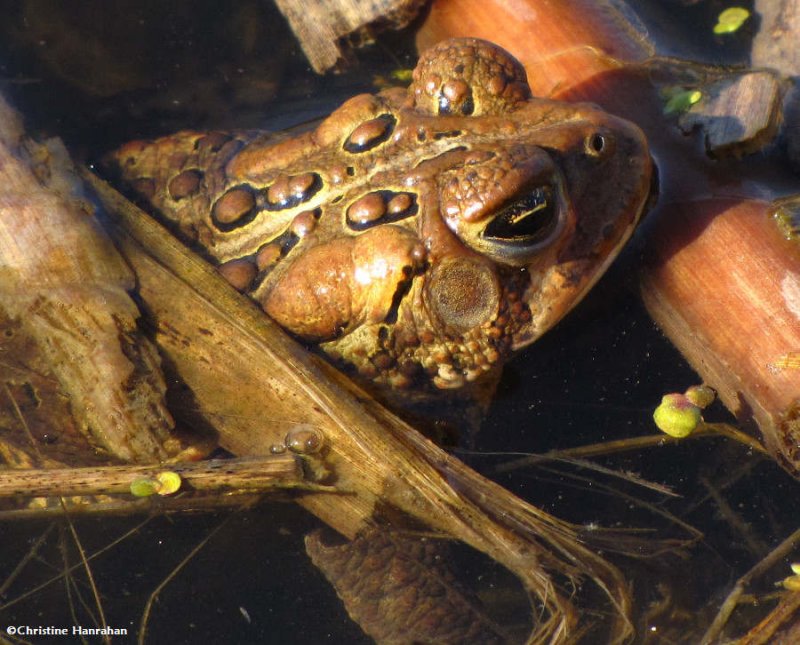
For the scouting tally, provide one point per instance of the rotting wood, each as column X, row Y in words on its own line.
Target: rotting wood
column 64, row 284
column 739, row 114
column 322, row 27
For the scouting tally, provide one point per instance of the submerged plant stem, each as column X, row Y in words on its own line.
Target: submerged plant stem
column 157, row 591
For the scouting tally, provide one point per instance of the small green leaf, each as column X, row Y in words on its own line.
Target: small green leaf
column 680, row 100
column 731, row 20
column 402, row 75
column 145, row 487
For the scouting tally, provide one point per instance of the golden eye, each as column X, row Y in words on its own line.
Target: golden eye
column 526, row 221
column 518, row 231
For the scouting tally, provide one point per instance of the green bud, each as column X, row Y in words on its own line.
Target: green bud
column 170, row 482
column 677, row 416
column 701, row 395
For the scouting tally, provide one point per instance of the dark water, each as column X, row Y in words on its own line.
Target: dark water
column 596, row 377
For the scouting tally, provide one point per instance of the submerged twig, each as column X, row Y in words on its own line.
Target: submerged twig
column 175, row 571
column 30, row 555
column 734, row 520
column 268, row 473
column 732, row 600
column 633, row 443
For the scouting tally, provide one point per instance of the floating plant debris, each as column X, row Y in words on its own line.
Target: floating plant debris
column 731, row 20
column 679, row 99
column 164, row 483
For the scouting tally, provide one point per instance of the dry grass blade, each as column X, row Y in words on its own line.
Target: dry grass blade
column 207, row 330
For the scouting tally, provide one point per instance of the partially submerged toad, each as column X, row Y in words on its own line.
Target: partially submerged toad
column 416, row 235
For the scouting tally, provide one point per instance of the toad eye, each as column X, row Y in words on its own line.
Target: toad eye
column 523, row 227
column 526, row 222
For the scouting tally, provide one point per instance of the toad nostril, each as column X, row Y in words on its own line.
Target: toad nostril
column 597, row 142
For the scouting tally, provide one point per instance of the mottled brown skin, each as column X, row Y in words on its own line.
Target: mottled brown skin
column 418, row 235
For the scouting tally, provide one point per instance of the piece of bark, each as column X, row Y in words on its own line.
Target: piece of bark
column 66, row 287
column 322, row 27
column 775, row 44
column 775, row 47
column 724, row 284
column 400, row 589
column 739, row 114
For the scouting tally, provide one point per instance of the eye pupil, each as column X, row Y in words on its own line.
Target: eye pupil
column 597, row 142
column 526, row 221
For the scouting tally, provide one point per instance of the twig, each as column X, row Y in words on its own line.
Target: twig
column 250, row 474
column 72, row 568
column 200, row 502
column 78, row 545
column 756, row 546
column 732, row 600
column 87, row 569
column 634, row 443
column 154, row 596
column 32, row 552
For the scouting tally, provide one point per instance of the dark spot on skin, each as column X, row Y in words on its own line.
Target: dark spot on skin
column 447, row 134
column 380, row 207
column 211, row 142
column 185, row 184
column 145, row 186
column 239, row 273
column 288, row 192
column 370, row 134
column 234, row 209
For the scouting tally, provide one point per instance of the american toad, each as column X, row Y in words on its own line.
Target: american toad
column 417, row 235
